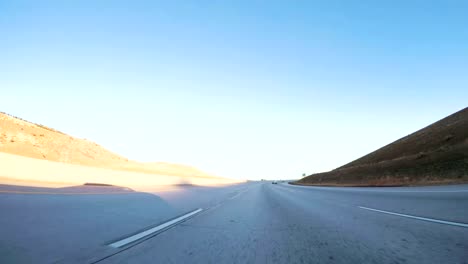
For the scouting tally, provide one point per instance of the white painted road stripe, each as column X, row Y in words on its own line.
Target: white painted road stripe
column 417, row 217
column 150, row 231
column 237, row 195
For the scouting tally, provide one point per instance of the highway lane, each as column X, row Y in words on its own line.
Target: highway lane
column 246, row 223
column 47, row 225
column 292, row 224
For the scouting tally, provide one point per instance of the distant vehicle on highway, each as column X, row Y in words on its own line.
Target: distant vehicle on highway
column 274, row 182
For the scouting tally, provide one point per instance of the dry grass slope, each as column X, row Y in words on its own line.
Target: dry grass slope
column 435, row 154
column 24, row 138
column 20, row 137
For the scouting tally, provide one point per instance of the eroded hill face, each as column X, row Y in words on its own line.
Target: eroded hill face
column 435, row 154
column 27, row 139
column 31, row 140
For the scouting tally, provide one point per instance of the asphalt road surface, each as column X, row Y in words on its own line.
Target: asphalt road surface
column 246, row 223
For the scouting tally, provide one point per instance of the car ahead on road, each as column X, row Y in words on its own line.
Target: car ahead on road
column 274, row 182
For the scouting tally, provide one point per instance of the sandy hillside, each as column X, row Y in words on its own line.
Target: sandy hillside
column 23, row 138
column 36, row 141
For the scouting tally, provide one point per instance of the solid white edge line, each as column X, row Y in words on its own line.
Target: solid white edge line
column 354, row 189
column 417, row 217
column 150, row 231
column 405, row 191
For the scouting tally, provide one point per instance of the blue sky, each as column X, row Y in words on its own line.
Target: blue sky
column 246, row 89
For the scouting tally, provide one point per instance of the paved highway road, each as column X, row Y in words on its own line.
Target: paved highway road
column 246, row 223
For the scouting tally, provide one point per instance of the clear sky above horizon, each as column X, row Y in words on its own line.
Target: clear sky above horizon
column 244, row 89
